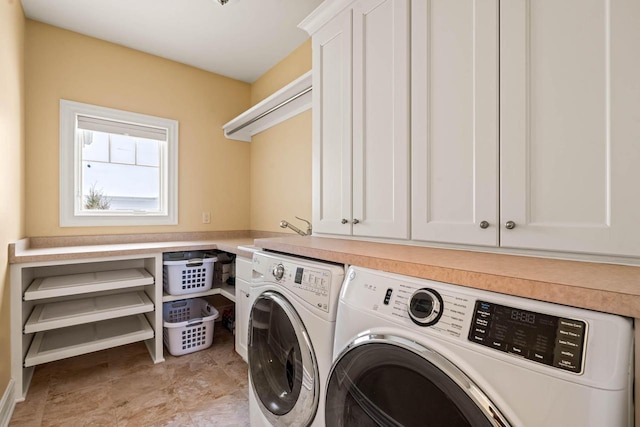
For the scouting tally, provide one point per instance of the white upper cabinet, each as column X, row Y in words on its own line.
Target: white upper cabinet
column 524, row 121
column 454, row 104
column 361, row 121
column 570, row 125
column 332, row 126
column 381, row 118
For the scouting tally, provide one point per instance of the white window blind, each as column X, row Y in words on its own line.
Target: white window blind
column 116, row 127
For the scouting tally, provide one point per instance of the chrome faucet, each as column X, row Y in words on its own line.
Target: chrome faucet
column 285, row 224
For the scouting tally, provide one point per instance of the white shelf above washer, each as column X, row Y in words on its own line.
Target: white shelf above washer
column 62, row 314
column 287, row 102
column 75, row 284
column 81, row 339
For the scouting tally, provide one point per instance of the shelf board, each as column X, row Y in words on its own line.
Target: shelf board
column 75, row 284
column 223, row 289
column 81, row 339
column 227, row 291
column 62, row 314
column 287, row 102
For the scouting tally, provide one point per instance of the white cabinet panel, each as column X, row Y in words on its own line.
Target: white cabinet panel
column 569, row 125
column 454, row 64
column 381, row 118
column 244, row 271
column 361, row 132
column 242, row 317
column 332, row 126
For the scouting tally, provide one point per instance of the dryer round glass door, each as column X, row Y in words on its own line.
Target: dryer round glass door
column 282, row 365
column 389, row 381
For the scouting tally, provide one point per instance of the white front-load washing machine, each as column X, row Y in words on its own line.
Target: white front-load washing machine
column 413, row 352
column 290, row 345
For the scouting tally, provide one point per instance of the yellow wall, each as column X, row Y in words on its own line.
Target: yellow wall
column 281, row 155
column 244, row 186
column 11, row 159
column 213, row 175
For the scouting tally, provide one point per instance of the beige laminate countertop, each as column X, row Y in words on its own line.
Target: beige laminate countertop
column 20, row 253
column 597, row 286
column 604, row 287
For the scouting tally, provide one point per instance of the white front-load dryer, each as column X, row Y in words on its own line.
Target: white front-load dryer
column 413, row 352
column 290, row 345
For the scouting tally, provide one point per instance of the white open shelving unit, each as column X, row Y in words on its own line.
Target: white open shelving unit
column 61, row 309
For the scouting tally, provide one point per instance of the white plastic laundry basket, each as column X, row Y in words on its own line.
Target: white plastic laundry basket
column 188, row 325
column 187, row 272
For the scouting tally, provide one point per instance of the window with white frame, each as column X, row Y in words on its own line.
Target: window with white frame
column 116, row 167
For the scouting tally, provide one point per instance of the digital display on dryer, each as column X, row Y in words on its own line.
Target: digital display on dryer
column 299, row 273
column 543, row 338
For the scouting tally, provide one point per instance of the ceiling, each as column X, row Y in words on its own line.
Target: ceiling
column 242, row 39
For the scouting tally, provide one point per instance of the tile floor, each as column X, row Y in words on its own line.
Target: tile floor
column 122, row 387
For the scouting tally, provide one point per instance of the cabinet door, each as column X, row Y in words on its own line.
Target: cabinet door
column 242, row 317
column 570, row 125
column 381, row 118
column 332, row 126
column 454, row 109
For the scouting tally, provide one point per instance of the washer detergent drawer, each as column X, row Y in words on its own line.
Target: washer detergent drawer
column 244, row 268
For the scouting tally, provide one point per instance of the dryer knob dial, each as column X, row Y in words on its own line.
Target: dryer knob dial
column 278, row 271
column 425, row 307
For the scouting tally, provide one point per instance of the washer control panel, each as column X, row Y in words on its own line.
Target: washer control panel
column 310, row 283
column 543, row 338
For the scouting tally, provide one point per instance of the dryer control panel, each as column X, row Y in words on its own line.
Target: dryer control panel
column 431, row 306
column 542, row 338
column 510, row 325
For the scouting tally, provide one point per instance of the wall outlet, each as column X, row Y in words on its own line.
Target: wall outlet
column 206, row 217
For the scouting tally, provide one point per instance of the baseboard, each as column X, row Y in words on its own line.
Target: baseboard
column 7, row 404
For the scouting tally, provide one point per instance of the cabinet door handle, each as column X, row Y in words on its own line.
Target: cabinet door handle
column 344, row 220
column 510, row 225
column 484, row 224
column 356, row 221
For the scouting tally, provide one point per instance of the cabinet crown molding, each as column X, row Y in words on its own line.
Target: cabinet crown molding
column 323, row 14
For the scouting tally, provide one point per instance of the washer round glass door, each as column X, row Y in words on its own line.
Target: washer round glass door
column 389, row 381
column 282, row 364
